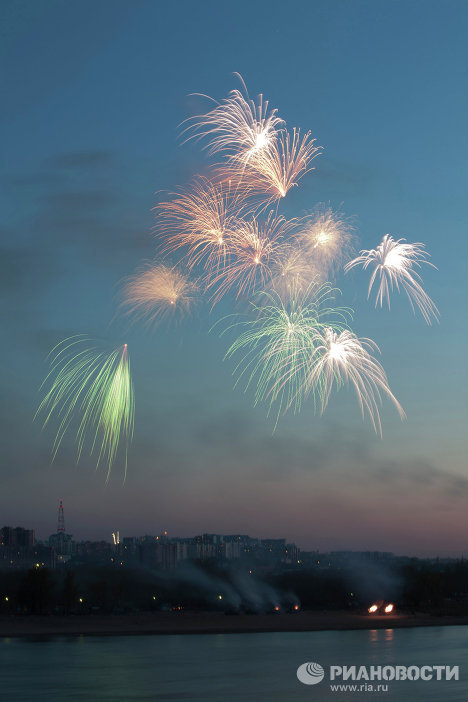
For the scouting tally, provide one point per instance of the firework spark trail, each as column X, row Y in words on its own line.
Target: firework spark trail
column 200, row 219
column 97, row 386
column 341, row 359
column 157, row 292
column 238, row 126
column 255, row 246
column 278, row 345
column 393, row 263
column 273, row 171
column 327, row 238
column 279, row 168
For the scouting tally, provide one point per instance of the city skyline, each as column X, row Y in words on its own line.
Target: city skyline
column 116, row 536
column 26, row 537
column 92, row 136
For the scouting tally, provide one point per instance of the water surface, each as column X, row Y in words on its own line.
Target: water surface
column 224, row 667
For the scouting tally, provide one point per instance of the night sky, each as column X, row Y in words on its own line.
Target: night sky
column 92, row 95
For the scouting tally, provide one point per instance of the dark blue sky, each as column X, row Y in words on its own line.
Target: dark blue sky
column 92, row 93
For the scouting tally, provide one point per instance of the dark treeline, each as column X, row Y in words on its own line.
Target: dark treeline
column 414, row 587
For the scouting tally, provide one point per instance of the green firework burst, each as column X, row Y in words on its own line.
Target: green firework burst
column 278, row 346
column 94, row 388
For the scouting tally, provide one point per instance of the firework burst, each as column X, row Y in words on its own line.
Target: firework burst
column 393, row 262
column 278, row 346
column 200, row 220
column 342, row 358
column 255, row 247
column 327, row 238
column 95, row 389
column 293, row 269
column 273, row 171
column 157, row 292
column 238, row 126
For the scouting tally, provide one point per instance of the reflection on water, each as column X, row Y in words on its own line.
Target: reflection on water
column 225, row 667
column 377, row 636
column 388, row 635
column 373, row 636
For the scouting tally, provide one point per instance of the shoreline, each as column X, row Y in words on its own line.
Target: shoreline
column 166, row 623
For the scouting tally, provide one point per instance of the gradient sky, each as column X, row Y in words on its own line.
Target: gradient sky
column 92, row 93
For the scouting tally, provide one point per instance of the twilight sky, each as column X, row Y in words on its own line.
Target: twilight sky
column 92, row 93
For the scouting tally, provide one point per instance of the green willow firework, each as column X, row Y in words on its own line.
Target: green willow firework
column 93, row 390
column 280, row 344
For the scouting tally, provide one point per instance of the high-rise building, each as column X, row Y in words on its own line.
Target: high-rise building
column 62, row 542
column 23, row 538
